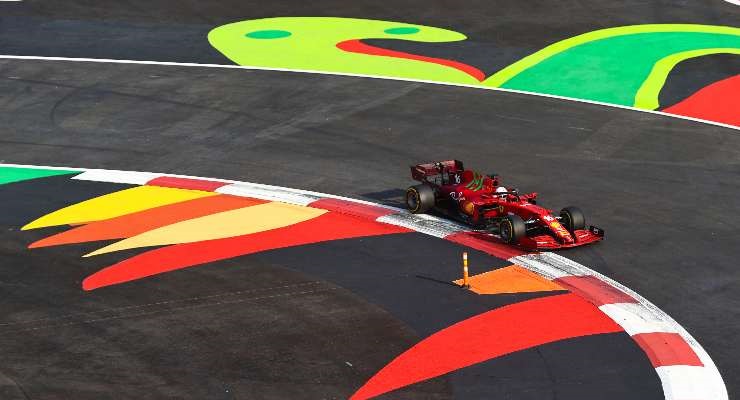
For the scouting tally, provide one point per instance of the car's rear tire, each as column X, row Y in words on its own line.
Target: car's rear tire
column 420, row 198
column 512, row 229
column 572, row 218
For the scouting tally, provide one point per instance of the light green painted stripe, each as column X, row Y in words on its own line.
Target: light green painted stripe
column 17, row 174
column 502, row 76
column 312, row 46
column 647, row 96
column 612, row 70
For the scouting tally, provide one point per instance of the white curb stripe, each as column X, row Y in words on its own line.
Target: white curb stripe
column 271, row 194
column 422, row 223
column 391, row 78
column 551, row 265
column 114, row 176
column 635, row 318
column 679, row 382
column 42, row 167
column 713, row 388
column 686, row 384
column 683, row 382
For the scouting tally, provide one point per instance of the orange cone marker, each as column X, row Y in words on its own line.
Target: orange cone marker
column 465, row 283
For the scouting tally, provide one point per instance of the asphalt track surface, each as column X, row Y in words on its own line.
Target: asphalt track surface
column 664, row 189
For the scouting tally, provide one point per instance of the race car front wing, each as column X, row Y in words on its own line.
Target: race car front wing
column 548, row 242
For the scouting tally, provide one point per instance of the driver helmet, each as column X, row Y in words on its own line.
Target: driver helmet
column 501, row 189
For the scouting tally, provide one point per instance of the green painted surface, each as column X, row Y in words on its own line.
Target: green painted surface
column 507, row 73
column 268, row 34
column 312, row 47
column 17, row 174
column 405, row 30
column 609, row 69
column 614, row 65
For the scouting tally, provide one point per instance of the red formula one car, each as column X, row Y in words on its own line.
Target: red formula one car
column 480, row 202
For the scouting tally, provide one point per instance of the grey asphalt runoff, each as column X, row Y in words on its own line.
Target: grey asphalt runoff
column 664, row 189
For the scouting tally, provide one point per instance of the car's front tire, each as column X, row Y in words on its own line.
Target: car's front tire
column 572, row 218
column 420, row 198
column 512, row 229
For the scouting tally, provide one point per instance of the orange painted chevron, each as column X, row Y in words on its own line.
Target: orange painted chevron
column 139, row 222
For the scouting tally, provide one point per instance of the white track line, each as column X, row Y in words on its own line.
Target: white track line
column 689, row 383
column 42, row 167
column 224, row 66
column 236, row 187
column 270, row 194
column 679, row 382
column 114, row 176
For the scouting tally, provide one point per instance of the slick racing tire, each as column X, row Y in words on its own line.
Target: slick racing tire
column 512, row 229
column 419, row 198
column 572, row 218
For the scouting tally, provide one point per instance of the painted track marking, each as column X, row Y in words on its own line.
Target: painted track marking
column 682, row 379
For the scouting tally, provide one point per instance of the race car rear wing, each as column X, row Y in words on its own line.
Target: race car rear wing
column 421, row 172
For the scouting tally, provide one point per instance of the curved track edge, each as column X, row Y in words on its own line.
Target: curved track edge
column 685, row 369
column 227, row 66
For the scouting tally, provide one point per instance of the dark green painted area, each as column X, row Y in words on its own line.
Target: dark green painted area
column 268, row 34
column 403, row 30
column 17, row 174
column 612, row 70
